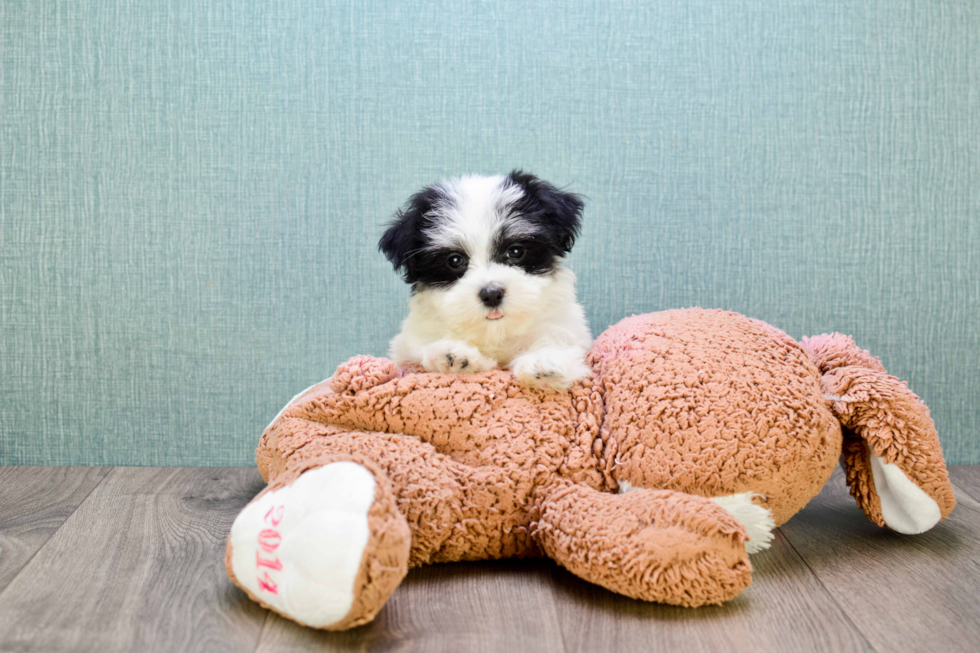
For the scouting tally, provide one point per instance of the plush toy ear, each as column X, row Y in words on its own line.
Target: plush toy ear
column 558, row 211
column 405, row 235
column 891, row 456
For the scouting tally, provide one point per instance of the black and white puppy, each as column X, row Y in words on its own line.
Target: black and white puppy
column 485, row 258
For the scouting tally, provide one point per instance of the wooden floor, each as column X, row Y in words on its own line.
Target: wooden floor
column 131, row 559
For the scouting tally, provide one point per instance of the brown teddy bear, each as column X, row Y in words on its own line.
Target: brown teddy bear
column 698, row 432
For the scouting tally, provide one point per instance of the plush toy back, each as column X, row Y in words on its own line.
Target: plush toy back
column 713, row 403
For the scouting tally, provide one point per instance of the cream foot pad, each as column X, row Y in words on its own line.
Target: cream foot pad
column 299, row 548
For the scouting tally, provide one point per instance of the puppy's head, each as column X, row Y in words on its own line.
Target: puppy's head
column 484, row 250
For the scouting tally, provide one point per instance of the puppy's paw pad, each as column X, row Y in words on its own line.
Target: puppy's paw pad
column 457, row 362
column 551, row 368
column 538, row 373
column 547, row 381
column 298, row 549
column 451, row 357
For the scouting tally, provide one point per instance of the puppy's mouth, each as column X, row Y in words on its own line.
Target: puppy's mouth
column 494, row 315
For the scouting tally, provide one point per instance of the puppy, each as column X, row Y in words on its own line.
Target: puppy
column 485, row 257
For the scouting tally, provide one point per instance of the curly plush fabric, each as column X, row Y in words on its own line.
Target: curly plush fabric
column 881, row 417
column 713, row 403
column 689, row 404
column 654, row 545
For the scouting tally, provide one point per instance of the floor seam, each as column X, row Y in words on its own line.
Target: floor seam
column 958, row 487
column 265, row 624
column 826, row 591
column 51, row 537
column 554, row 605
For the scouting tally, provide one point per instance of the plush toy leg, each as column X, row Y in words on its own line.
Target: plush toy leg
column 300, row 549
column 324, row 544
column 655, row 545
column 891, row 455
column 455, row 511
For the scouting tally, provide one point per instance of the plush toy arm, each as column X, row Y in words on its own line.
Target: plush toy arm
column 655, row 545
column 891, row 455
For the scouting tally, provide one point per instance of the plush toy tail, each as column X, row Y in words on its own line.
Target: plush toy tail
column 891, row 455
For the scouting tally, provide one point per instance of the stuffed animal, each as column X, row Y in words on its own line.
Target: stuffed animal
column 698, row 432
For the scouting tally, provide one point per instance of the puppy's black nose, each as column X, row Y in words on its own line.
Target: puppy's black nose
column 492, row 295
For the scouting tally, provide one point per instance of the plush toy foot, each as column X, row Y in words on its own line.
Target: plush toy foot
column 655, row 545
column 890, row 497
column 891, row 451
column 756, row 520
column 905, row 507
column 326, row 549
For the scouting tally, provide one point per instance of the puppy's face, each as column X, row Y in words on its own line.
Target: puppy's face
column 484, row 250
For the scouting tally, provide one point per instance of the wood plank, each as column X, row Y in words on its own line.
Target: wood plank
column 966, row 486
column 503, row 606
column 966, row 479
column 34, row 503
column 905, row 593
column 138, row 567
column 784, row 609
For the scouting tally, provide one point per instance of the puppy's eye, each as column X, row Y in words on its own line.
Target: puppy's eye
column 456, row 261
column 515, row 253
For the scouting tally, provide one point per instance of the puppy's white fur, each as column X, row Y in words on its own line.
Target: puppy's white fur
column 543, row 335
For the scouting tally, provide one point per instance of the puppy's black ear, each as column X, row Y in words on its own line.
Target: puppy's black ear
column 405, row 236
column 557, row 211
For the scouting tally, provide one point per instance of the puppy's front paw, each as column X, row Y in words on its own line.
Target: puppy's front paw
column 455, row 357
column 550, row 369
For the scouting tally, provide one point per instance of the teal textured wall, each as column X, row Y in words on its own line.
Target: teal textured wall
column 191, row 193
